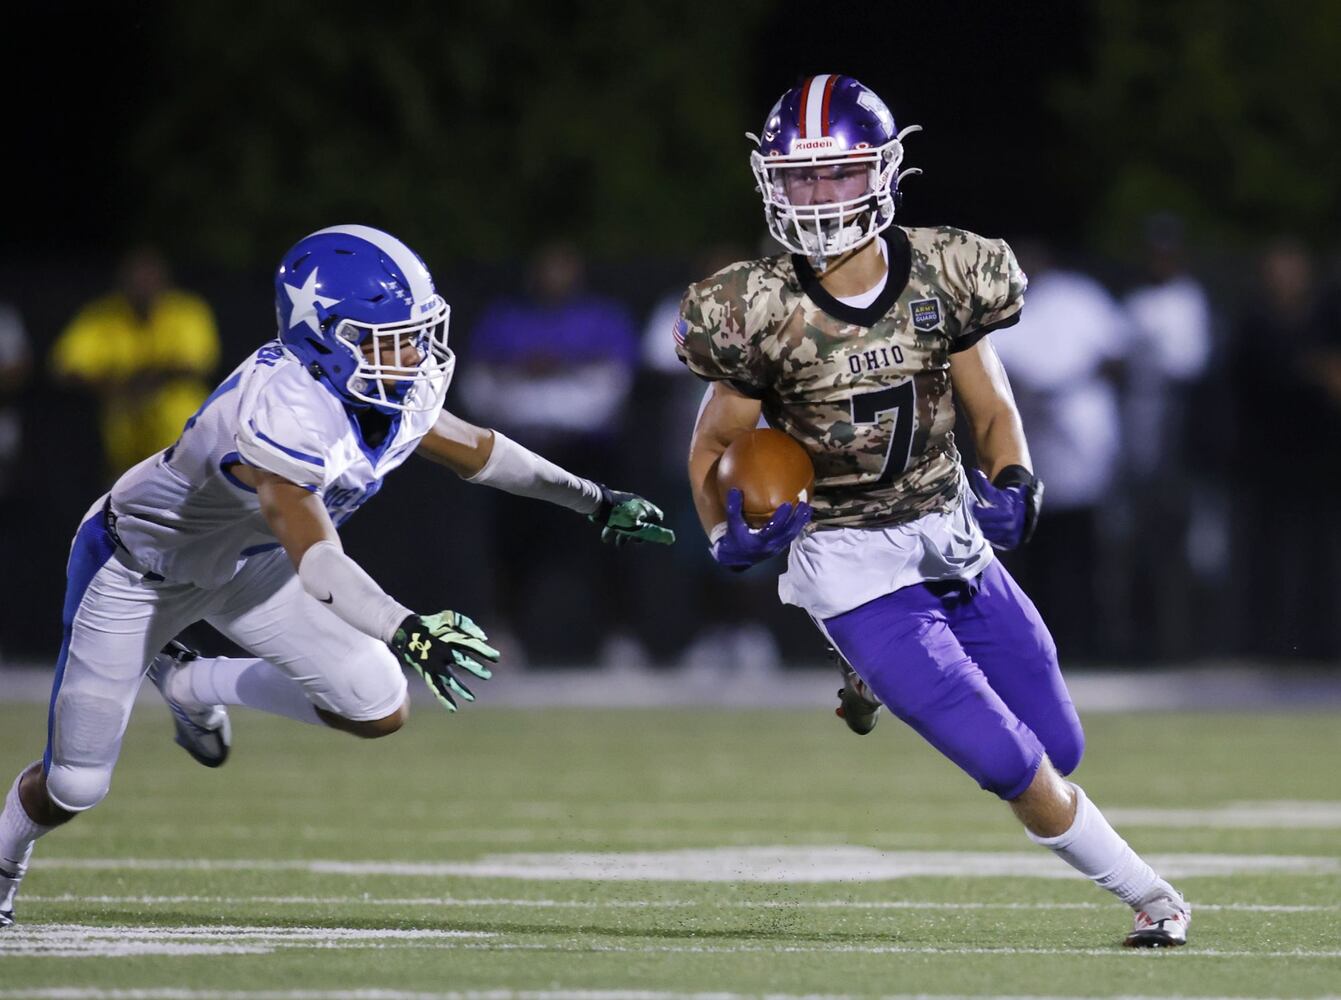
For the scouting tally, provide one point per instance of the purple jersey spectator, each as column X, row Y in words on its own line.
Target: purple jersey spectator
column 558, row 363
column 555, row 366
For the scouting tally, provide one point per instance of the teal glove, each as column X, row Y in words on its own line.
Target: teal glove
column 627, row 517
column 433, row 644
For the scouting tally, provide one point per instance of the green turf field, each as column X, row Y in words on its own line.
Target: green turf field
column 552, row 854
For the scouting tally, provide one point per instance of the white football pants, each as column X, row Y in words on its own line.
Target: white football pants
column 116, row 621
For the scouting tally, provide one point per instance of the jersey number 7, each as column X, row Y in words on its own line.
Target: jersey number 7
column 898, row 404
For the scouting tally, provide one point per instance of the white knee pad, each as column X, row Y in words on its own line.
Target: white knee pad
column 77, row 788
column 85, row 742
column 360, row 689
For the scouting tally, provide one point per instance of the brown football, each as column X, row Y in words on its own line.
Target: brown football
column 769, row 468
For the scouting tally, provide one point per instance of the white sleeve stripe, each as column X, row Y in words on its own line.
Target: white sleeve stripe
column 262, row 456
column 291, row 452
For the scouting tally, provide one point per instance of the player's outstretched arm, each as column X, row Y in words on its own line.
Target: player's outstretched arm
column 1007, row 495
column 491, row 458
column 725, row 416
column 432, row 644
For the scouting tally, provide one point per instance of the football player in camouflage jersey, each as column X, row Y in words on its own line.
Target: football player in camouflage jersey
column 857, row 343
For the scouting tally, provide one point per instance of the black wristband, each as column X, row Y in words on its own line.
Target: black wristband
column 407, row 626
column 601, row 515
column 1018, row 475
column 1014, row 475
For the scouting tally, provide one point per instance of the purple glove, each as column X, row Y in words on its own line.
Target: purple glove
column 1007, row 508
column 742, row 546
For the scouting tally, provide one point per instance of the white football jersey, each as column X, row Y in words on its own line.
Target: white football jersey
column 183, row 516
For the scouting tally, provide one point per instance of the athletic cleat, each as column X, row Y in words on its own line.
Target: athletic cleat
column 9, row 886
column 204, row 733
column 1161, row 922
column 857, row 704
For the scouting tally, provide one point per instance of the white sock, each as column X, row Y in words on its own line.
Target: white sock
column 18, row 833
column 253, row 683
column 1092, row 847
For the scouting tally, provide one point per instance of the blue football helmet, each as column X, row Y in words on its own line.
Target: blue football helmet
column 354, row 304
column 827, row 165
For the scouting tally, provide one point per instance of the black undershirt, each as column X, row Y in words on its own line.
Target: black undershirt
column 373, row 425
column 900, row 267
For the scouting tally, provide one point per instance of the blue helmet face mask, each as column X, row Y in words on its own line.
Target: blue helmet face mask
column 827, row 166
column 358, row 308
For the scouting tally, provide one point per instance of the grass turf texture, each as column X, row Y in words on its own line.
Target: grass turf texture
column 491, row 782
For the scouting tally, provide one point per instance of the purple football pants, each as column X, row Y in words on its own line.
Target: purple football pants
column 970, row 666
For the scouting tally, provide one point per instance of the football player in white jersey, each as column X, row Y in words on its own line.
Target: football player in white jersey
column 236, row 524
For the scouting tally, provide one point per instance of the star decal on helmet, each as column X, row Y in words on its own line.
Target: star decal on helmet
column 304, row 301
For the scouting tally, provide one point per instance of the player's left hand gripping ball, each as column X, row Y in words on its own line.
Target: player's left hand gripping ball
column 627, row 517
column 1007, row 508
column 739, row 546
column 433, row 644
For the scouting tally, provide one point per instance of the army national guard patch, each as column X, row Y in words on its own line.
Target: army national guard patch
column 926, row 313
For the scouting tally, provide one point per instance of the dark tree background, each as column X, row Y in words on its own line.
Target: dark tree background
column 1227, row 113
column 470, row 129
column 225, row 130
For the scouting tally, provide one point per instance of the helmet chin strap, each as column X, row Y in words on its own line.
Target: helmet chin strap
column 813, row 242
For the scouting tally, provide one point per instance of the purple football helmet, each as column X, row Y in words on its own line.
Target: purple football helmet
column 828, row 166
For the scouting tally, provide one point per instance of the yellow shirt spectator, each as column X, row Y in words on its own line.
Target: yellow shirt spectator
column 148, row 366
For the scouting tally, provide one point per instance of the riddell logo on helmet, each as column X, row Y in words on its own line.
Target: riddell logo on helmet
column 807, row 145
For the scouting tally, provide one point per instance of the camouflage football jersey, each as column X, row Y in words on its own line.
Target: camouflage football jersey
column 866, row 390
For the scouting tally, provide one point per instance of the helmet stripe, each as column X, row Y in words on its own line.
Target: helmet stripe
column 814, row 106
column 824, row 107
column 409, row 265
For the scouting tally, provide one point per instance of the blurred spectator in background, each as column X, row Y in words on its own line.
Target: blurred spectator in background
column 1063, row 359
column 1285, row 476
column 556, row 366
column 1177, row 527
column 1327, row 355
column 555, row 369
column 146, row 350
column 1170, row 349
column 15, row 364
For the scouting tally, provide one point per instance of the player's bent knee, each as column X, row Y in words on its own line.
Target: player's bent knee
column 1009, row 779
column 1066, row 750
column 1007, row 766
column 368, row 729
column 392, row 723
column 77, row 789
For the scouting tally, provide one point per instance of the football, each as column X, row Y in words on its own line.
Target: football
column 769, row 468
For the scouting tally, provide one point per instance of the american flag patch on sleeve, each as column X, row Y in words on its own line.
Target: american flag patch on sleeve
column 678, row 330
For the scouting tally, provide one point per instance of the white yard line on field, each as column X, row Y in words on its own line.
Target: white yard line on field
column 130, row 949
column 880, row 949
column 84, row 941
column 80, row 941
column 1286, row 815
column 830, row 863
column 646, row 904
